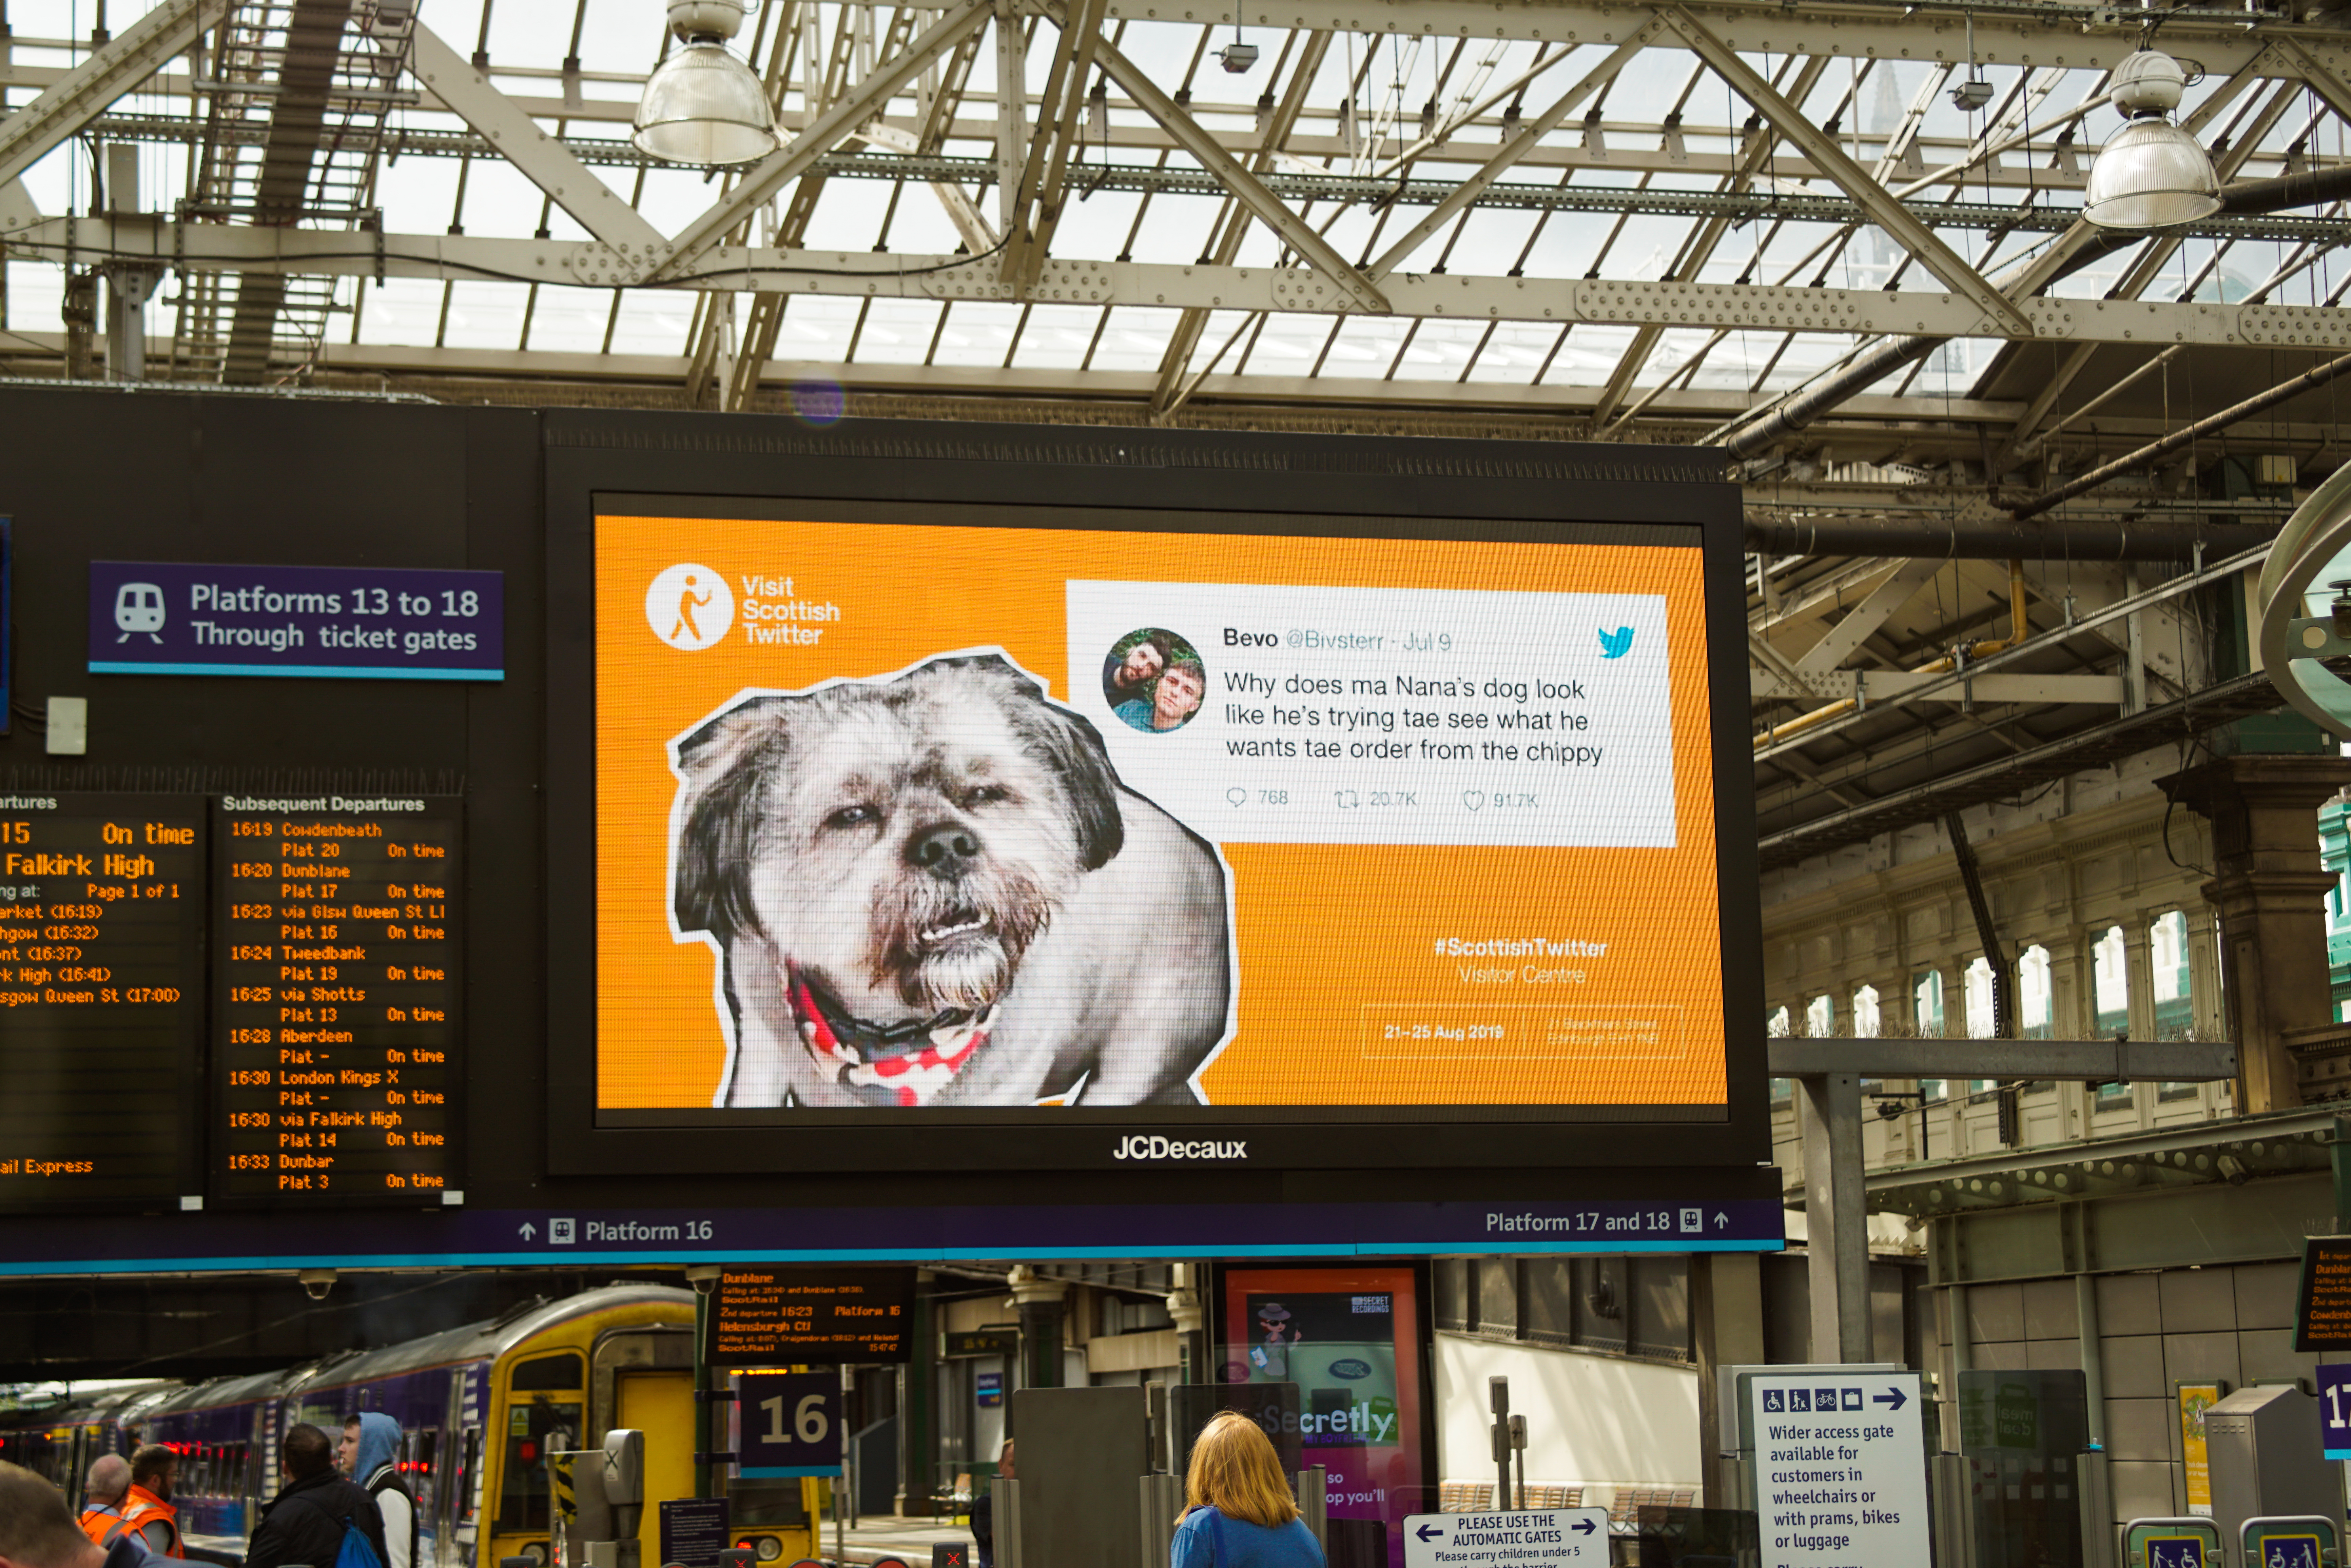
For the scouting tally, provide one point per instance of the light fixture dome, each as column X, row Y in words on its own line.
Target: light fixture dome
column 2150, row 174
column 702, row 106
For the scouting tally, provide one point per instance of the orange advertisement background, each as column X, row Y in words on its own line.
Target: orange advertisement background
column 1322, row 930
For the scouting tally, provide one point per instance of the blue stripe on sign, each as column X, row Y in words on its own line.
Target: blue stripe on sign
column 551, row 1255
column 355, row 671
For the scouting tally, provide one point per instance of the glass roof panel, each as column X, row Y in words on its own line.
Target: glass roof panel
column 1055, row 338
column 486, row 315
column 1134, row 339
column 653, row 321
column 816, row 328
column 401, row 311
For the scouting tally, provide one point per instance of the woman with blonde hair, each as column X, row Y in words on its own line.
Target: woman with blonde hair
column 1238, row 1513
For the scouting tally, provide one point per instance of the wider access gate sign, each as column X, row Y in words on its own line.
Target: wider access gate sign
column 1840, row 1469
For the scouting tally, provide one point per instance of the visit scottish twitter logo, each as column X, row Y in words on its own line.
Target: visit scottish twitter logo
column 1617, row 644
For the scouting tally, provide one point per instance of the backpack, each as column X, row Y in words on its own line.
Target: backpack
column 357, row 1551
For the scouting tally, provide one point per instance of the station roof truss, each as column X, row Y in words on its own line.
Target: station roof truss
column 1773, row 230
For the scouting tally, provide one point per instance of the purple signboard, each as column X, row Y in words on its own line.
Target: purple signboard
column 2334, row 1409
column 179, row 618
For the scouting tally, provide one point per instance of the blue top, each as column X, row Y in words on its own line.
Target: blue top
column 1137, row 715
column 1246, row 1545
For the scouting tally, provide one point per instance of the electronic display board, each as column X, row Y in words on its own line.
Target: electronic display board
column 1347, row 1340
column 337, row 1031
column 101, row 999
column 1181, row 832
column 769, row 1317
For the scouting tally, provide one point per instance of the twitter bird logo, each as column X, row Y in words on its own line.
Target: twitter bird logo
column 1617, row 644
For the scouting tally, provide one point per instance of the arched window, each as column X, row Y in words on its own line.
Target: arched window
column 1977, row 986
column 2036, row 994
column 1867, row 1022
column 1820, row 1018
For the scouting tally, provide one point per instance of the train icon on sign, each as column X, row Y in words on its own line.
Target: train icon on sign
column 138, row 611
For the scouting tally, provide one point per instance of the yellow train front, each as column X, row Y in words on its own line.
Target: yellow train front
column 480, row 1409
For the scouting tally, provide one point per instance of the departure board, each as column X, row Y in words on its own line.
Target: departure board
column 336, row 1025
column 774, row 1317
column 101, row 999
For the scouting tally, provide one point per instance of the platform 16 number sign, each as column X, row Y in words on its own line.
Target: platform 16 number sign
column 789, row 1423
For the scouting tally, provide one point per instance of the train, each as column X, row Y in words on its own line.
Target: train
column 480, row 1408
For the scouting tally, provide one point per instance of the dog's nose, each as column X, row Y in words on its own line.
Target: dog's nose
column 943, row 847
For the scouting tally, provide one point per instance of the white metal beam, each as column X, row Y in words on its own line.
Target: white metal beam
column 1515, row 148
column 539, row 157
column 90, row 88
column 1180, row 286
column 1352, row 288
column 1873, row 685
column 1844, row 639
column 1896, row 220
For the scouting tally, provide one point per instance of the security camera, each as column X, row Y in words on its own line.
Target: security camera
column 317, row 1282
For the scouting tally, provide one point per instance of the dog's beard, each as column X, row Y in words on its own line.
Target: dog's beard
column 955, row 944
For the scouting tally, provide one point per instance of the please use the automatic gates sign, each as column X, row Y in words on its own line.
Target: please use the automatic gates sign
column 1566, row 1536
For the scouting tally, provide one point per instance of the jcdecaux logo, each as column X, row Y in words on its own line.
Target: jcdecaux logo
column 1139, row 1147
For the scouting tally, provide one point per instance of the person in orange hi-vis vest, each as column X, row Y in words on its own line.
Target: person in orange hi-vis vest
column 147, row 1507
column 102, row 1492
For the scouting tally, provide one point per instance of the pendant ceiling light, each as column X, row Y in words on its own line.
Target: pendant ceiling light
column 2150, row 174
column 702, row 106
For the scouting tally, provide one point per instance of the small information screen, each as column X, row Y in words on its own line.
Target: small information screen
column 2323, row 1318
column 337, row 1027
column 101, row 999
column 771, row 1317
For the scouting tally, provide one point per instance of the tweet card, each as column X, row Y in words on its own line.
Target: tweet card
column 1315, row 713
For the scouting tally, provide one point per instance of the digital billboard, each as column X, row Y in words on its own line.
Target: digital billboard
column 1348, row 1341
column 918, row 824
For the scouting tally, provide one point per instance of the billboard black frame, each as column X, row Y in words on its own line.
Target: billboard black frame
column 1079, row 478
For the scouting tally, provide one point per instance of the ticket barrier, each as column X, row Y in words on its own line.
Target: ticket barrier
column 2172, row 1544
column 2268, row 1457
column 2290, row 1541
column 600, row 1502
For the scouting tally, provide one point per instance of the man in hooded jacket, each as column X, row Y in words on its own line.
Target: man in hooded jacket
column 370, row 1455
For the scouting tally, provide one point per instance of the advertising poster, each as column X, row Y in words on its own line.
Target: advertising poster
column 2195, row 1398
column 899, row 820
column 1348, row 1339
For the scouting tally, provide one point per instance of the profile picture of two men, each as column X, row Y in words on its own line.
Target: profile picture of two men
column 1154, row 680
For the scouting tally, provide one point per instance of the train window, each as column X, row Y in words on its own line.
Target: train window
column 534, row 1429
column 469, row 1457
column 550, row 1373
column 423, row 1475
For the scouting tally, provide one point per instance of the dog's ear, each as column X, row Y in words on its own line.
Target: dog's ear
column 1073, row 748
column 726, row 764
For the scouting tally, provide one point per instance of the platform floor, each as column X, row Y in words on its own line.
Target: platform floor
column 910, row 1541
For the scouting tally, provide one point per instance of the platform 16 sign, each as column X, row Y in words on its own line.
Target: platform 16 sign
column 789, row 1424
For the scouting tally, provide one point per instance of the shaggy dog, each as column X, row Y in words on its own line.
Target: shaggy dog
column 932, row 890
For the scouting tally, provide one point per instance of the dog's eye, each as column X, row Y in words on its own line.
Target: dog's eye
column 985, row 795
column 850, row 817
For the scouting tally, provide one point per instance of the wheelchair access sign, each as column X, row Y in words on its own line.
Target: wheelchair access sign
column 1568, row 1537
